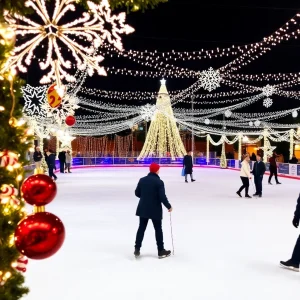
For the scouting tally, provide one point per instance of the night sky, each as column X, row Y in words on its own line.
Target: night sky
column 186, row 25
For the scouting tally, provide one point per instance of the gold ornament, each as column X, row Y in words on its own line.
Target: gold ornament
column 13, row 122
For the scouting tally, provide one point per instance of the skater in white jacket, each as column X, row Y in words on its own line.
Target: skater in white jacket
column 245, row 176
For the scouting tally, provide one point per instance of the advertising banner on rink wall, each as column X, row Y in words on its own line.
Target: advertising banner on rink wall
column 293, row 170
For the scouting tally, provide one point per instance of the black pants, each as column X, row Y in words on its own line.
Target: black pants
column 158, row 233
column 245, row 181
column 296, row 253
column 62, row 166
column 273, row 171
column 51, row 172
column 258, row 184
column 190, row 175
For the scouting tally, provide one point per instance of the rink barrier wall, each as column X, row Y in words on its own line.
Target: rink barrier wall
column 284, row 170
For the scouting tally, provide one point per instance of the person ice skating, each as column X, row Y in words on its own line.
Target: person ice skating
column 258, row 171
column 37, row 157
column 245, row 176
column 273, row 168
column 151, row 191
column 62, row 161
column 68, row 161
column 51, row 164
column 188, row 166
column 293, row 263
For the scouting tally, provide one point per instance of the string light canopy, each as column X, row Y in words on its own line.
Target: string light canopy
column 90, row 27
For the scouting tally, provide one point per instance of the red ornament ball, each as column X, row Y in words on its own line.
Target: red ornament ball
column 40, row 235
column 38, row 190
column 70, row 120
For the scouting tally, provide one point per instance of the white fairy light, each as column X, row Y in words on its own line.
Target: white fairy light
column 88, row 27
column 295, row 114
column 210, row 79
column 267, row 102
column 206, row 121
column 228, row 113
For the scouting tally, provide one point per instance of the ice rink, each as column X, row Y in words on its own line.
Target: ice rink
column 226, row 247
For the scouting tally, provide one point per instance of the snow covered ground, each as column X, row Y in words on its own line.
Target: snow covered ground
column 226, row 248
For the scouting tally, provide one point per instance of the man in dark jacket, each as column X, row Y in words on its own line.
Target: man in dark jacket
column 258, row 171
column 151, row 191
column 293, row 263
column 273, row 168
column 188, row 166
column 51, row 164
column 62, row 161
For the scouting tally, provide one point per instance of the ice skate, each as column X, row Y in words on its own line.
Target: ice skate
column 247, row 196
column 137, row 253
column 193, row 180
column 290, row 265
column 239, row 194
column 163, row 254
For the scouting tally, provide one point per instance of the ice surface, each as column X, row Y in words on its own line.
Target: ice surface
column 226, row 248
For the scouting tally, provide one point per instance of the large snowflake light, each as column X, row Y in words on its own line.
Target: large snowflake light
column 147, row 112
column 210, row 79
column 267, row 102
column 268, row 149
column 34, row 99
column 268, row 90
column 81, row 37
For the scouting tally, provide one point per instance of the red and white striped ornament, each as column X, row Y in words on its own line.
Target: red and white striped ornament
column 8, row 158
column 21, row 264
column 8, row 190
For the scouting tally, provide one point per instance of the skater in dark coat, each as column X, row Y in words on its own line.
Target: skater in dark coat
column 62, row 161
column 188, row 166
column 273, row 168
column 293, row 263
column 151, row 191
column 258, row 171
column 51, row 164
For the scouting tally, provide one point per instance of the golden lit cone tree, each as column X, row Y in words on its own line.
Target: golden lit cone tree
column 163, row 136
column 223, row 161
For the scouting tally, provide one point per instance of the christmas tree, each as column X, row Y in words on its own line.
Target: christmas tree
column 163, row 136
column 15, row 142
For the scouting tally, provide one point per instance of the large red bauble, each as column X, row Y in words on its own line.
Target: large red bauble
column 70, row 120
column 38, row 190
column 40, row 235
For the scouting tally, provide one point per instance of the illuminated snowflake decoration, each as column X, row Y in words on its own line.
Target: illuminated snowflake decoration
column 147, row 112
column 228, row 113
column 42, row 130
column 67, row 107
column 210, row 79
column 257, row 123
column 268, row 90
column 267, row 102
column 82, row 37
column 268, row 149
column 34, row 99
